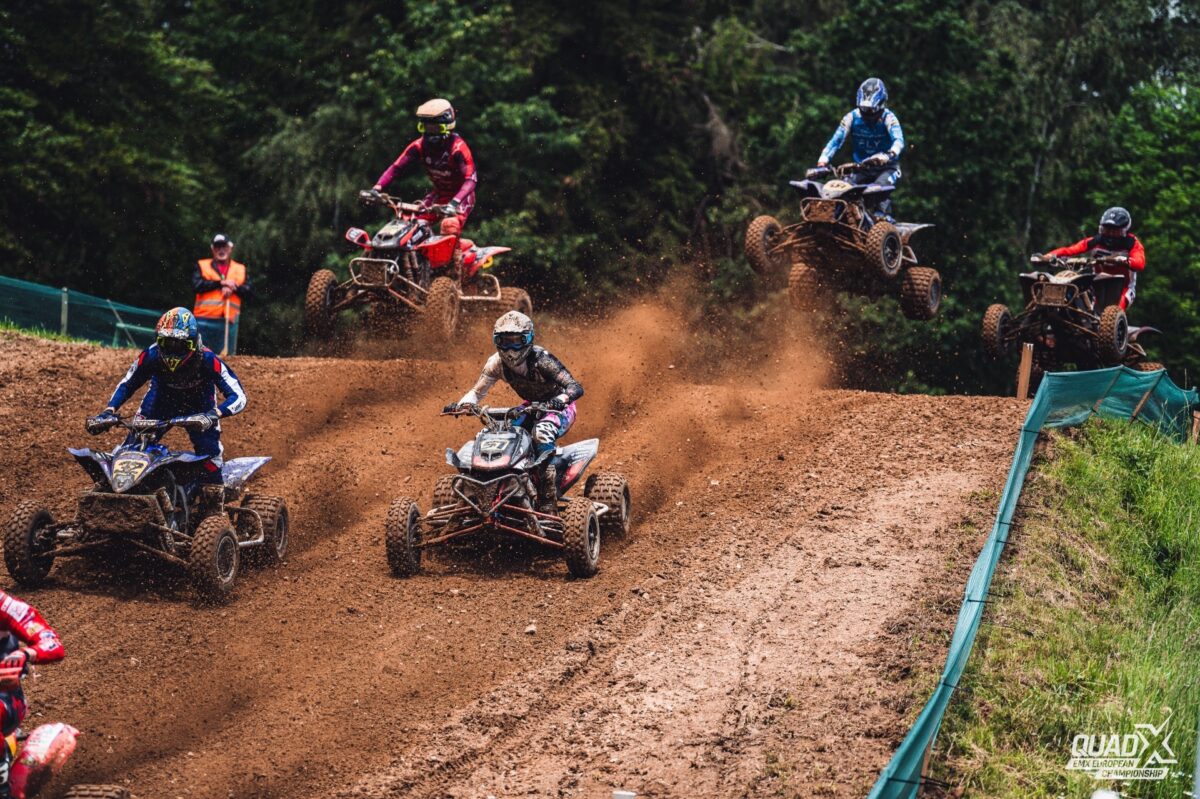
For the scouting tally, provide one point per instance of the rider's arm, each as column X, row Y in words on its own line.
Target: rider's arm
column 231, row 388
column 1137, row 255
column 466, row 168
column 552, row 369
column 27, row 624
column 135, row 378
column 491, row 374
column 1078, row 248
column 410, row 155
column 896, row 132
column 836, row 141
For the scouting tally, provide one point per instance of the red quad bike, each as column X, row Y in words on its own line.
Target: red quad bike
column 1071, row 316
column 408, row 268
column 841, row 242
column 38, row 757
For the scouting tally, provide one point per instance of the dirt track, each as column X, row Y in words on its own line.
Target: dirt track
column 736, row 644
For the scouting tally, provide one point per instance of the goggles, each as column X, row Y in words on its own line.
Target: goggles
column 1112, row 231
column 511, row 341
column 176, row 347
column 433, row 128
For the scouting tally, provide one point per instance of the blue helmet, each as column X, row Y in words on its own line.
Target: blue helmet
column 177, row 336
column 872, row 98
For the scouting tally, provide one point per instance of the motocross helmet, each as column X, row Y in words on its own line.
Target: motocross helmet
column 177, row 337
column 1114, row 224
column 872, row 99
column 435, row 120
column 513, row 337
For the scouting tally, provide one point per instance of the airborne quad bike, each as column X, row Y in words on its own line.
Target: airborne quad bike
column 495, row 492
column 1072, row 316
column 407, row 268
column 40, row 755
column 151, row 499
column 842, row 242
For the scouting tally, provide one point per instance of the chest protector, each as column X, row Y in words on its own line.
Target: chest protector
column 533, row 386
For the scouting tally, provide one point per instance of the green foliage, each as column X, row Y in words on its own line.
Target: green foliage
column 616, row 143
column 1094, row 627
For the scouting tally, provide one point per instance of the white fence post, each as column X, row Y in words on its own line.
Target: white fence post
column 62, row 317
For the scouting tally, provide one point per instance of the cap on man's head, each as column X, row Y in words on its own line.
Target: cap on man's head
column 221, row 240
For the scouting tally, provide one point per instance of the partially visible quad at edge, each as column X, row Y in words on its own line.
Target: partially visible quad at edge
column 1071, row 316
column 840, row 242
column 409, row 272
column 494, row 492
column 149, row 498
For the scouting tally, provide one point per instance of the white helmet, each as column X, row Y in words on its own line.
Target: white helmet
column 513, row 337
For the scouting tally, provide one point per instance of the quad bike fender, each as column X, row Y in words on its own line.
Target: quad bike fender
column 360, row 237
column 1135, row 332
column 438, row 249
column 906, row 229
column 463, row 456
column 238, row 471
column 872, row 190
column 571, row 461
column 484, row 255
column 98, row 465
column 810, row 188
column 44, row 753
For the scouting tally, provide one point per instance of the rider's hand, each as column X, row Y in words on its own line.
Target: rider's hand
column 100, row 422
column 16, row 659
column 202, row 421
column 555, row 404
column 879, row 159
column 451, row 408
column 1036, row 258
column 453, row 208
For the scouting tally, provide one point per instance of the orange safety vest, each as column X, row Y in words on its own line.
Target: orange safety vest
column 210, row 304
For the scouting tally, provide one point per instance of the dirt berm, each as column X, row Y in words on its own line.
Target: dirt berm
column 746, row 639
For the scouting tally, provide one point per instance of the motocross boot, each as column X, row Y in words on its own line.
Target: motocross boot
column 548, row 493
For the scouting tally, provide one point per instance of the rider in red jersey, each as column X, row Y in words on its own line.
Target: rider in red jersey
column 25, row 639
column 448, row 163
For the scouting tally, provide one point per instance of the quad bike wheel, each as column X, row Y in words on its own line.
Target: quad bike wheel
column 611, row 489
column 443, row 491
column 1147, row 366
column 441, row 309
column 402, row 534
column 215, row 558
column 97, row 792
column 997, row 321
column 318, row 304
column 921, row 293
column 761, row 235
column 802, row 286
column 25, row 546
column 515, row 299
column 1113, row 335
column 884, row 249
column 581, row 537
column 273, row 513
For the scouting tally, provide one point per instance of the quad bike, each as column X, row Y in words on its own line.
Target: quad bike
column 1071, row 316
column 496, row 491
column 149, row 498
column 38, row 756
column 408, row 268
column 841, row 241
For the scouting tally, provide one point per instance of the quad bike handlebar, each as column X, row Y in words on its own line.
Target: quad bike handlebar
column 839, row 171
column 493, row 418
column 370, row 197
column 139, row 425
column 1080, row 262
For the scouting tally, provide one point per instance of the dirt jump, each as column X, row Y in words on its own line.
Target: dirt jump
column 745, row 640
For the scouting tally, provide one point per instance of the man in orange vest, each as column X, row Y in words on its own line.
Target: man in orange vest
column 220, row 283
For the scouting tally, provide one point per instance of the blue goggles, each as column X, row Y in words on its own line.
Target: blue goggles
column 512, row 341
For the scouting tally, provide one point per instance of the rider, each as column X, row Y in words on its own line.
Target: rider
column 447, row 161
column 877, row 137
column 25, row 639
column 536, row 376
column 184, row 377
column 1113, row 238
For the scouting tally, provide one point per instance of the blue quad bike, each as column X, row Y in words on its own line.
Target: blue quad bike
column 495, row 492
column 843, row 241
column 149, row 498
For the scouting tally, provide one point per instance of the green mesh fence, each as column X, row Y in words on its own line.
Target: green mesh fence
column 1063, row 400
column 75, row 314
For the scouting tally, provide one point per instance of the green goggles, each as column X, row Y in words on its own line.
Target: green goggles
column 433, row 128
column 175, row 347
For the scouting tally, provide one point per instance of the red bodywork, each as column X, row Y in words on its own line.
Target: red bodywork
column 41, row 757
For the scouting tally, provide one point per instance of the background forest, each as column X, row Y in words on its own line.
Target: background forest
column 617, row 143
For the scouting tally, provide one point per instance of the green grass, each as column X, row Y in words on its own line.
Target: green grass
column 10, row 327
column 1097, row 624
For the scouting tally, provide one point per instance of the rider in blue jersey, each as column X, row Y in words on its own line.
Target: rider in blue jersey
column 877, row 138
